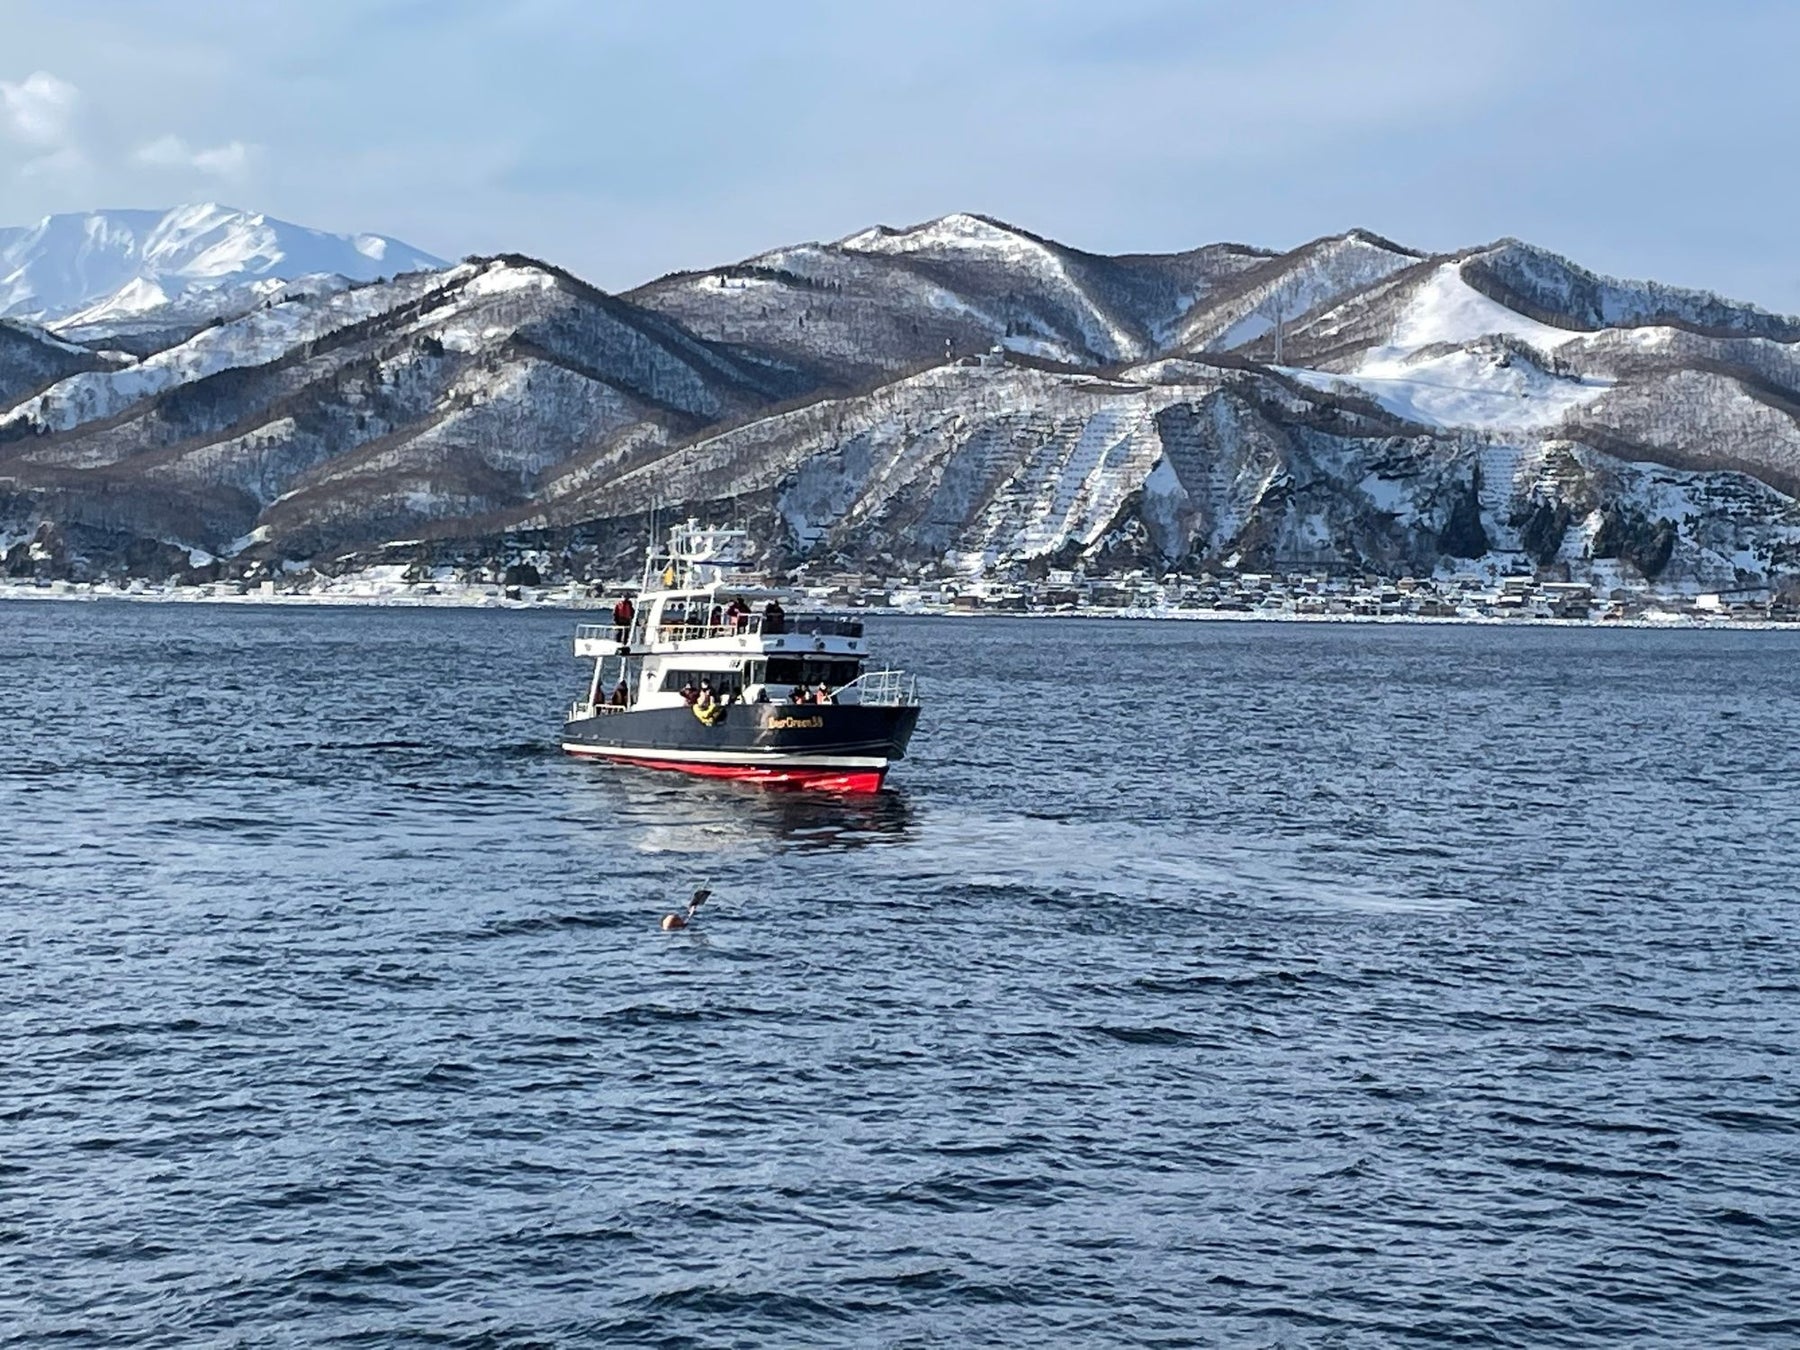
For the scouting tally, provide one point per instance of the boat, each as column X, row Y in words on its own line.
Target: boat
column 709, row 674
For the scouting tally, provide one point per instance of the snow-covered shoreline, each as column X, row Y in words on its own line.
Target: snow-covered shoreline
column 361, row 592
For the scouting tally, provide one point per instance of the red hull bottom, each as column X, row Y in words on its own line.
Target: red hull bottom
column 818, row 780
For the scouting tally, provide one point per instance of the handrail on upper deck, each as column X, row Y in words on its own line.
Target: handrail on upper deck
column 746, row 625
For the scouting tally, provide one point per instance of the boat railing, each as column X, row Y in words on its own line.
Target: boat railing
column 579, row 710
column 745, row 625
column 698, row 632
column 641, row 634
column 882, row 689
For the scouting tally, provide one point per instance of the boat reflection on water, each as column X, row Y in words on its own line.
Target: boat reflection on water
column 685, row 816
column 816, row 820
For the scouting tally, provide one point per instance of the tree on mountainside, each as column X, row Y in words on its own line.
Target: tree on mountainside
column 1463, row 535
column 1627, row 534
column 1542, row 527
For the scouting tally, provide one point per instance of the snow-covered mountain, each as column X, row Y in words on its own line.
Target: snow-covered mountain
column 329, row 418
column 119, row 265
column 960, row 393
column 885, row 301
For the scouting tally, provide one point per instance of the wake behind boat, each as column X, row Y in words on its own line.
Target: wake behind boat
column 710, row 677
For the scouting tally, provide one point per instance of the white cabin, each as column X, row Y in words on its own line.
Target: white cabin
column 703, row 621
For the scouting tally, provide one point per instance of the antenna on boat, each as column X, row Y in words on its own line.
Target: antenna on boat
column 649, row 549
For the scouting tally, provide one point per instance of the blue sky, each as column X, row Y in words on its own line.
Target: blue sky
column 626, row 140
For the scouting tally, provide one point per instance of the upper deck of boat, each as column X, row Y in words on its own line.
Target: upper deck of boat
column 654, row 631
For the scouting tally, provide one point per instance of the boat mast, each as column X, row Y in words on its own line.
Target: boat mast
column 649, row 555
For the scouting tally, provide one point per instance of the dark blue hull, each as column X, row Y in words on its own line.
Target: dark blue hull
column 845, row 747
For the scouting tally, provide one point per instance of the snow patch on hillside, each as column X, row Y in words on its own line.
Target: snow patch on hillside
column 956, row 232
column 1447, row 309
column 502, row 278
column 1477, row 389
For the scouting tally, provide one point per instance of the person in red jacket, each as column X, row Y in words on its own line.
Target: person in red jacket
column 622, row 615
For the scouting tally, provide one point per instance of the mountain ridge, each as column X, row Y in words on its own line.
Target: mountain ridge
column 957, row 394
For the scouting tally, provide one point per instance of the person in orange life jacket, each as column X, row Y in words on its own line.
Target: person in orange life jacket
column 622, row 615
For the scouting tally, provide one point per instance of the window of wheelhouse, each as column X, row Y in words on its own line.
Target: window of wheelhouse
column 833, row 672
column 720, row 680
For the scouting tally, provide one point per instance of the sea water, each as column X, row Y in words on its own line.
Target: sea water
column 1191, row 983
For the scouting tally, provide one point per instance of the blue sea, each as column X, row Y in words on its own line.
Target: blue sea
column 1191, row 984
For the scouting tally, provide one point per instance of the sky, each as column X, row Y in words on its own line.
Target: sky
column 624, row 140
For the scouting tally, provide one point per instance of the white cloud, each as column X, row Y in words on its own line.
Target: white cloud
column 55, row 139
column 164, row 152
column 67, row 162
column 229, row 160
column 40, row 109
column 38, row 114
column 226, row 161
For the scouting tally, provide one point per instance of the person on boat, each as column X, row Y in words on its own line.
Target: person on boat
column 823, row 694
column 762, row 693
column 622, row 614
column 737, row 613
column 690, row 693
column 709, row 707
column 774, row 617
column 620, row 695
column 798, row 694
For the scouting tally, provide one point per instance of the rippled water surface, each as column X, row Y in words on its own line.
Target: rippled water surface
column 1204, row 983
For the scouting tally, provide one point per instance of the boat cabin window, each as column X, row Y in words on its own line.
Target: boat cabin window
column 721, row 680
column 807, row 670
